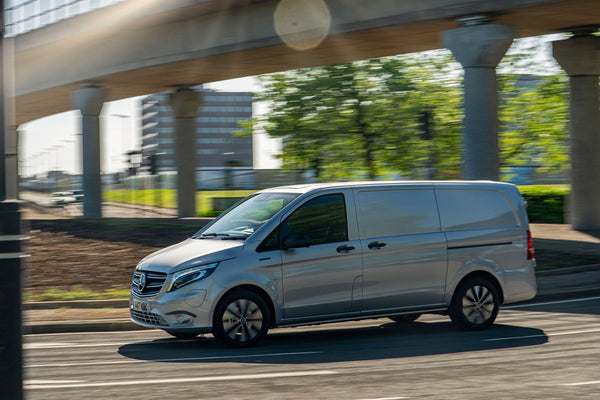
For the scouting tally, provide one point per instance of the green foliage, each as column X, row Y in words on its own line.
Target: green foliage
column 534, row 124
column 361, row 119
column 545, row 204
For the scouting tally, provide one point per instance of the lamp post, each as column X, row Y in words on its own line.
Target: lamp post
column 11, row 238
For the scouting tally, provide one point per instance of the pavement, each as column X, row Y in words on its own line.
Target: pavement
column 555, row 284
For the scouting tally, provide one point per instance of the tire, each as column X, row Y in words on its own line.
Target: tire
column 475, row 304
column 241, row 319
column 405, row 318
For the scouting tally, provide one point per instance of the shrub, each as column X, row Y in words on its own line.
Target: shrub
column 546, row 204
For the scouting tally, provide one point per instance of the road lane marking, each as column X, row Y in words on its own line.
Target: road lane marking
column 181, row 380
column 87, row 364
column 62, row 345
column 551, row 303
column 582, row 383
column 542, row 335
column 49, row 382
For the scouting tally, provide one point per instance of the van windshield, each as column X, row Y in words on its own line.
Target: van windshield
column 243, row 220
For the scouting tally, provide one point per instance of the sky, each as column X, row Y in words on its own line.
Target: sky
column 54, row 142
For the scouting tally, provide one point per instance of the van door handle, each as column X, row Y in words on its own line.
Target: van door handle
column 345, row 248
column 376, row 245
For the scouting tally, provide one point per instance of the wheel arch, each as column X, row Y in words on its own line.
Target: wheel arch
column 257, row 290
column 485, row 275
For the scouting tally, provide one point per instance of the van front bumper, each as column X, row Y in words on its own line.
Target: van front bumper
column 180, row 310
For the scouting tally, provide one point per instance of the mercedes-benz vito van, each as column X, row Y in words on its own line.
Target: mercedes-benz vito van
column 318, row 253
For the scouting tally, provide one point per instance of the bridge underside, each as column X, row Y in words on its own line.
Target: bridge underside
column 198, row 42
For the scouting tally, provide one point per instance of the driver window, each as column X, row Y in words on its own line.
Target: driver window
column 321, row 220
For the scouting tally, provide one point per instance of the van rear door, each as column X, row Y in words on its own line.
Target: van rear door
column 404, row 250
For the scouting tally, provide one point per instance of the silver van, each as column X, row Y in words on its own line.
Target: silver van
column 308, row 254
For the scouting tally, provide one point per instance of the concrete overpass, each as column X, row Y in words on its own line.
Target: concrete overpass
column 145, row 46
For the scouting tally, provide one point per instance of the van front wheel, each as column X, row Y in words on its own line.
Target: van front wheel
column 475, row 304
column 241, row 319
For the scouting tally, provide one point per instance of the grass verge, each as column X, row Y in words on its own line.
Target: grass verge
column 77, row 293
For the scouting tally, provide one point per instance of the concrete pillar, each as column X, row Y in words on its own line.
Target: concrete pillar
column 479, row 48
column 89, row 99
column 579, row 56
column 185, row 103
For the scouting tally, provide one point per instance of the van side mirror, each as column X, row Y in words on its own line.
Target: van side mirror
column 296, row 240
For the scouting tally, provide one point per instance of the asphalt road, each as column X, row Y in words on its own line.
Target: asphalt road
column 545, row 351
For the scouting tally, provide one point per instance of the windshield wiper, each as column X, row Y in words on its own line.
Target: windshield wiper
column 205, row 235
column 235, row 238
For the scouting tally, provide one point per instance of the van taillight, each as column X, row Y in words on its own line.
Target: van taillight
column 530, row 249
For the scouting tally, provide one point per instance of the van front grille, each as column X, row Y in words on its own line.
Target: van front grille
column 147, row 284
column 148, row 317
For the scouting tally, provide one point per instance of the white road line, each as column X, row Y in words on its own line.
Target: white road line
column 87, row 364
column 582, row 383
column 551, row 302
column 49, row 382
column 60, row 345
column 180, row 380
column 542, row 335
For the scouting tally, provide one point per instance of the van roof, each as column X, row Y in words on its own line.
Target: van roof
column 309, row 187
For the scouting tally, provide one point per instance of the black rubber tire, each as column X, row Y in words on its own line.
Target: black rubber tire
column 475, row 304
column 241, row 319
column 405, row 318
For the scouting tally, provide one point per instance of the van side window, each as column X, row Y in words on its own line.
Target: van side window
column 320, row 220
column 397, row 212
column 475, row 209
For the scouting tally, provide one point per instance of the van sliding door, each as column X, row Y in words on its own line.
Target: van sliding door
column 404, row 250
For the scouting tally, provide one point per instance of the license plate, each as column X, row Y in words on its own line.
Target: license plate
column 140, row 306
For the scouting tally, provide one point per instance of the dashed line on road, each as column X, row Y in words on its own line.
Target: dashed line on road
column 224, row 357
column 136, row 382
column 582, row 383
column 544, row 335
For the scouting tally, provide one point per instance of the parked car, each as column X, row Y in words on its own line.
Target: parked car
column 61, row 198
column 78, row 195
column 319, row 253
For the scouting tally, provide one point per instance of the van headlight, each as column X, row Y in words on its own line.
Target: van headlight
column 190, row 275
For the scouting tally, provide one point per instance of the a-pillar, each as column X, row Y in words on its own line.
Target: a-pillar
column 185, row 103
column 579, row 56
column 479, row 48
column 89, row 99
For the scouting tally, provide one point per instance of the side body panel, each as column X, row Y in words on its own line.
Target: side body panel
column 404, row 251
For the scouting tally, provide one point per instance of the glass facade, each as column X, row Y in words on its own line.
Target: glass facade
column 217, row 145
column 26, row 15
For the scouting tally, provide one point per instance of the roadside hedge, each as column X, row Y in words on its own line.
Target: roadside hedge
column 546, row 204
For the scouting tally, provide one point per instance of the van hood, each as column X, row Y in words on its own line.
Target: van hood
column 190, row 253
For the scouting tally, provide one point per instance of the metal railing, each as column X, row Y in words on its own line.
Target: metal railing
column 26, row 15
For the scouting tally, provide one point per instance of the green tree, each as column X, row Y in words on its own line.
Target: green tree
column 534, row 123
column 361, row 119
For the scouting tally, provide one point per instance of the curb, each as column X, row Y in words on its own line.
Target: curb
column 49, row 305
column 106, row 325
